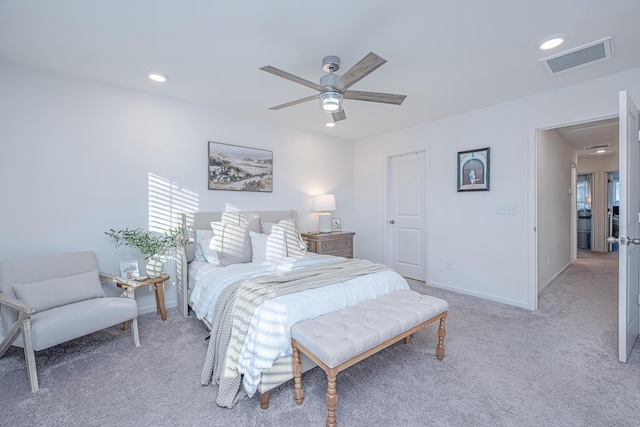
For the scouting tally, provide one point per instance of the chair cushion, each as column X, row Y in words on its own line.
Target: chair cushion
column 67, row 322
column 52, row 293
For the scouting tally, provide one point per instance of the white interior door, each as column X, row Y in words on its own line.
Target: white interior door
column 628, row 321
column 406, row 215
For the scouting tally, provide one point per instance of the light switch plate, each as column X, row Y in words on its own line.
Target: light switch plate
column 506, row 210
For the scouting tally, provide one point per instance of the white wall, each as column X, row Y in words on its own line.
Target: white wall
column 554, row 159
column 592, row 164
column 493, row 255
column 78, row 158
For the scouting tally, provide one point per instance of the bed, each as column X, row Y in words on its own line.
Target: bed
column 265, row 359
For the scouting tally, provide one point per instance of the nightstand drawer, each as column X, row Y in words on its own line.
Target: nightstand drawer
column 337, row 244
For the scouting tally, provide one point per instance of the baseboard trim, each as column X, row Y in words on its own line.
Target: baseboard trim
column 151, row 308
column 562, row 270
column 507, row 301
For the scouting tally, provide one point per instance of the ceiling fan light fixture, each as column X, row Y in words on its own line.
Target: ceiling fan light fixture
column 331, row 101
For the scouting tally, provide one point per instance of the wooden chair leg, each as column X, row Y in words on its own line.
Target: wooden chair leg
column 298, row 392
column 134, row 331
column 331, row 398
column 441, row 334
column 29, row 355
column 264, row 400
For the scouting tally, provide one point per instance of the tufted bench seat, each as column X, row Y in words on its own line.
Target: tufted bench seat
column 340, row 339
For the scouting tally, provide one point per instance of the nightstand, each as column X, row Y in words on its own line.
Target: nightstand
column 339, row 243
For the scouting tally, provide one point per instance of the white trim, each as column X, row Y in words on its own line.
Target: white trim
column 508, row 301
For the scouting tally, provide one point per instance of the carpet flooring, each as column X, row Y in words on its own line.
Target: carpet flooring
column 503, row 366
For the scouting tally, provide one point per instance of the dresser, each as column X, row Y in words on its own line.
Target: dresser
column 339, row 243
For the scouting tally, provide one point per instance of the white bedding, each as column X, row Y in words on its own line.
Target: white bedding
column 268, row 336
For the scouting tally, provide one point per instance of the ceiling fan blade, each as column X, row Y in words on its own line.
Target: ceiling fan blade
column 338, row 116
column 297, row 101
column 289, row 76
column 367, row 65
column 387, row 98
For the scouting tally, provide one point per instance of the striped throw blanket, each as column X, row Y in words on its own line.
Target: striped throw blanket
column 235, row 308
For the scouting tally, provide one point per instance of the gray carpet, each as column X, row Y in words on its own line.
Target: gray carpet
column 503, row 366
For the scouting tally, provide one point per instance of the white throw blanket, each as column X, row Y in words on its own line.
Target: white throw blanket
column 237, row 304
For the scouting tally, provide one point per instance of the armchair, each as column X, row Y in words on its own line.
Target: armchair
column 48, row 300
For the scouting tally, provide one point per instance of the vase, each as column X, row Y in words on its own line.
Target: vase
column 154, row 267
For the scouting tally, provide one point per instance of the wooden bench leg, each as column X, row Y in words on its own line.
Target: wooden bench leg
column 264, row 400
column 441, row 334
column 332, row 398
column 298, row 392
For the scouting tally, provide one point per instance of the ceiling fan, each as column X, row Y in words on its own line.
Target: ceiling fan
column 333, row 88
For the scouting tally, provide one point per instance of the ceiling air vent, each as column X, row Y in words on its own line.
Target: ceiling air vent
column 579, row 56
column 595, row 147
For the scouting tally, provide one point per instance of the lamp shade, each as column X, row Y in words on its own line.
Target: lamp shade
column 324, row 202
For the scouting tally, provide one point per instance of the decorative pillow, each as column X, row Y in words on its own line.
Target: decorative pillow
column 56, row 292
column 295, row 244
column 268, row 247
column 206, row 247
column 232, row 241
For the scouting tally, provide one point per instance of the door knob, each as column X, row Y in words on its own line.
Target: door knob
column 392, row 222
column 624, row 240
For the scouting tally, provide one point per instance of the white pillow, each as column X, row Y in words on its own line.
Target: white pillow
column 206, row 247
column 268, row 247
column 232, row 241
column 295, row 244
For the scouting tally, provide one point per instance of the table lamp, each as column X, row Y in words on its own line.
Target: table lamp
column 323, row 204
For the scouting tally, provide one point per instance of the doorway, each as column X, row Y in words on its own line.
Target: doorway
column 583, row 206
column 572, row 162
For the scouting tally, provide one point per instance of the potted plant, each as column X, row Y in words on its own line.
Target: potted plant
column 154, row 246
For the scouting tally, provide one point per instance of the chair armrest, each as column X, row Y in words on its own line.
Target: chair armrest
column 15, row 304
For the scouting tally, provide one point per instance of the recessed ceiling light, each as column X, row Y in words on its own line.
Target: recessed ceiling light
column 552, row 41
column 601, row 151
column 158, row 77
column 330, row 124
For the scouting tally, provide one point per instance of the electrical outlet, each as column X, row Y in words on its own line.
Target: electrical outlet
column 506, row 210
column 449, row 264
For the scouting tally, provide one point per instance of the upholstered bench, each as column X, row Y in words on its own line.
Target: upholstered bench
column 340, row 339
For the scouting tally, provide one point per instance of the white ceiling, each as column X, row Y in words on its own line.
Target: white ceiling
column 588, row 138
column 447, row 57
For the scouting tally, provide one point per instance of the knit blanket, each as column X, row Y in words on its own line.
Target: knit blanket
column 236, row 305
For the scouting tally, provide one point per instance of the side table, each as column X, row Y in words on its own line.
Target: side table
column 338, row 243
column 158, row 284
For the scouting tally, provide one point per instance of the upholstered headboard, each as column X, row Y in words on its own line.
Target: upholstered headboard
column 202, row 221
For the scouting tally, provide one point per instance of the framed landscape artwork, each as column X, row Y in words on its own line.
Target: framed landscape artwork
column 473, row 170
column 236, row 168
